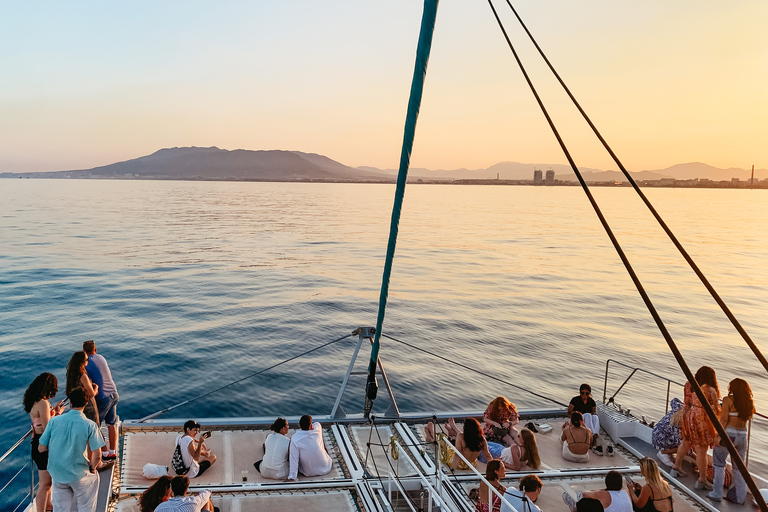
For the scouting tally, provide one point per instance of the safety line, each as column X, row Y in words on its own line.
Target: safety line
column 476, row 371
column 158, row 413
column 647, row 202
column 638, row 285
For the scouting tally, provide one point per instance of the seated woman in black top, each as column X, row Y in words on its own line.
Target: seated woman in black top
column 587, row 407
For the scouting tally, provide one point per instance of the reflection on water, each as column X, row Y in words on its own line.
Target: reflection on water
column 186, row 286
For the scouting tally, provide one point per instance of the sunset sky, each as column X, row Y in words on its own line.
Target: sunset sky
column 91, row 83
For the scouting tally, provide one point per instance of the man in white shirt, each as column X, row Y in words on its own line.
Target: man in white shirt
column 524, row 498
column 308, row 453
column 180, row 502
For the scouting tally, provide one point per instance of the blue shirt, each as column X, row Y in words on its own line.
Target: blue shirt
column 515, row 498
column 66, row 437
column 98, row 370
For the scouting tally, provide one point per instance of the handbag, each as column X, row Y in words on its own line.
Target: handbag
column 177, row 462
column 500, row 432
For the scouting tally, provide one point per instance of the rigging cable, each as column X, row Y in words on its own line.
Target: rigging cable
column 185, row 402
column 414, row 103
column 476, row 371
column 647, row 202
column 638, row 285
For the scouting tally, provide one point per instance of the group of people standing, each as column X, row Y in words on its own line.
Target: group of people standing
column 698, row 433
column 68, row 478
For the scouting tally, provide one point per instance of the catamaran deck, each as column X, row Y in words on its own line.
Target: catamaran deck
column 364, row 468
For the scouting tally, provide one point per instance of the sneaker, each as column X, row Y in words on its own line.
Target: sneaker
column 713, row 497
column 702, row 485
column 598, row 450
column 109, row 457
column 568, row 499
column 665, row 459
column 610, row 451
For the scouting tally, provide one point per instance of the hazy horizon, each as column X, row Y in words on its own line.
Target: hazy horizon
column 87, row 85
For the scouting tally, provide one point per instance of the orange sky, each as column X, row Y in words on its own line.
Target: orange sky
column 666, row 82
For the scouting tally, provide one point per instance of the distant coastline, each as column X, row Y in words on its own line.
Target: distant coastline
column 214, row 164
column 666, row 183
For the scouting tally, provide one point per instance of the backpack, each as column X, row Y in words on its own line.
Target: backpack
column 177, row 462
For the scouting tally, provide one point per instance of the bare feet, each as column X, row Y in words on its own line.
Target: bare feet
column 451, row 429
column 429, row 432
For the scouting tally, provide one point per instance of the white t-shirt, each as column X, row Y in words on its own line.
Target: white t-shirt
column 189, row 461
column 275, row 463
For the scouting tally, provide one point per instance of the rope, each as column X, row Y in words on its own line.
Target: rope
column 477, row 371
column 641, row 290
column 389, row 462
column 647, row 202
column 450, row 466
column 414, row 103
column 185, row 402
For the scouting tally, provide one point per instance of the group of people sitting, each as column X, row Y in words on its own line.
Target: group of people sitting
column 284, row 458
column 654, row 496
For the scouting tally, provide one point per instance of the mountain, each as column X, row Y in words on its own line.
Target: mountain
column 195, row 163
column 220, row 164
column 699, row 170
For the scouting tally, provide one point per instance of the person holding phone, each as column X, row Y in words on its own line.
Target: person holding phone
column 197, row 457
column 44, row 387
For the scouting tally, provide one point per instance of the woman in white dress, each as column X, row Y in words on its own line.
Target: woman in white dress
column 275, row 463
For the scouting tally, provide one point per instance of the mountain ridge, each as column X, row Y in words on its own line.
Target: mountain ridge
column 213, row 163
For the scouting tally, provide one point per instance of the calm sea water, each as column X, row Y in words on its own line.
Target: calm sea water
column 187, row 286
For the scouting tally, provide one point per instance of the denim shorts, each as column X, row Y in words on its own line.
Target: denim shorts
column 108, row 409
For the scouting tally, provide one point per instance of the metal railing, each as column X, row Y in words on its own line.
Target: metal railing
column 491, row 489
column 669, row 383
column 31, row 493
column 634, row 371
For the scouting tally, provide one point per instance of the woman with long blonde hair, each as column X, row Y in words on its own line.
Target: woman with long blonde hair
column 655, row 495
column 738, row 409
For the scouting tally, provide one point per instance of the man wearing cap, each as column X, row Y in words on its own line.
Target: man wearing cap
column 197, row 457
column 106, row 396
column 67, row 438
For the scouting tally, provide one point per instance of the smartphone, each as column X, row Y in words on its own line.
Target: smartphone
column 630, row 481
column 206, row 434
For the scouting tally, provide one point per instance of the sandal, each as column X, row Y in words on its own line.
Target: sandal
column 676, row 472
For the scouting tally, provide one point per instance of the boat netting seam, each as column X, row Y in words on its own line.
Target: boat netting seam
column 636, row 280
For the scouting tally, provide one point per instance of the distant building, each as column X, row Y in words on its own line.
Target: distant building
column 550, row 177
column 537, row 177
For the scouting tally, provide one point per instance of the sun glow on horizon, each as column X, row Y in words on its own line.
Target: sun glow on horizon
column 665, row 83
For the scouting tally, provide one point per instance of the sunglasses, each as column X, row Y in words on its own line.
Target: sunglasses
column 584, row 392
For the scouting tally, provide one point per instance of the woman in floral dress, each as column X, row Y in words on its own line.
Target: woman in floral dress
column 499, row 421
column 698, row 432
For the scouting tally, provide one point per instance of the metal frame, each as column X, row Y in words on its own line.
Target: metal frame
column 634, row 370
column 338, row 411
